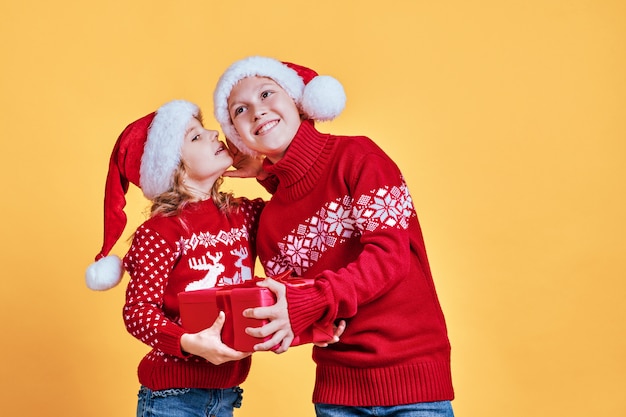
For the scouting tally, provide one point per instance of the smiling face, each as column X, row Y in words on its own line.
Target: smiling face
column 205, row 158
column 264, row 115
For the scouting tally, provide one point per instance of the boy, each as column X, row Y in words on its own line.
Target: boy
column 340, row 213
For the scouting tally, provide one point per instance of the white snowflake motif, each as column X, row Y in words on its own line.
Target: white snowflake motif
column 361, row 218
column 338, row 220
column 318, row 233
column 278, row 265
column 181, row 248
column 406, row 206
column 386, row 208
column 207, row 239
column 225, row 237
column 297, row 250
column 193, row 242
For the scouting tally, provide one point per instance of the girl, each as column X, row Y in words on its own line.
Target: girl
column 196, row 237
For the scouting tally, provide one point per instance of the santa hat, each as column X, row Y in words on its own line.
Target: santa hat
column 147, row 154
column 318, row 97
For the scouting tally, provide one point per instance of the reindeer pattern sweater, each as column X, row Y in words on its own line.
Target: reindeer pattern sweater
column 200, row 248
column 342, row 214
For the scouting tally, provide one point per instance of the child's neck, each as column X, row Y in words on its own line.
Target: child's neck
column 200, row 192
column 200, row 195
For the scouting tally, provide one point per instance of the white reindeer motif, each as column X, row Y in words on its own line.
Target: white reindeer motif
column 210, row 279
column 246, row 271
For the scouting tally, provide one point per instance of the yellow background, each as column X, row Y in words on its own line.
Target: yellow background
column 508, row 119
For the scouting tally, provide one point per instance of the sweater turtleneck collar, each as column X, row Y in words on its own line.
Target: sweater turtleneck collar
column 304, row 162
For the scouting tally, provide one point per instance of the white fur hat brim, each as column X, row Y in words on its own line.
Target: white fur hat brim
column 322, row 98
column 161, row 154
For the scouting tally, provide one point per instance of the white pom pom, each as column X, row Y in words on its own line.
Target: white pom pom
column 104, row 274
column 323, row 98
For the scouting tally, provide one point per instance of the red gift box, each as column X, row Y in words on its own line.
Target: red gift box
column 199, row 309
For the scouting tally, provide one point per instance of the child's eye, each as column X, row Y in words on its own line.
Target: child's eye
column 238, row 111
column 266, row 94
column 195, row 138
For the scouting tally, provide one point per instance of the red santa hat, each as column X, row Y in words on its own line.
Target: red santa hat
column 146, row 154
column 318, row 97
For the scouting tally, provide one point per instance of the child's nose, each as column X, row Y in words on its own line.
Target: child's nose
column 213, row 135
column 259, row 112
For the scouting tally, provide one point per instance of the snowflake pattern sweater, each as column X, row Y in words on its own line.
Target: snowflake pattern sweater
column 200, row 248
column 342, row 214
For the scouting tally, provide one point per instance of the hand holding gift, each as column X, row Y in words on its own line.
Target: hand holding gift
column 277, row 334
column 208, row 344
column 337, row 332
column 278, row 330
column 267, row 326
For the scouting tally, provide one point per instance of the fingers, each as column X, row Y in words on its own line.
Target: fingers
column 278, row 343
column 226, row 354
column 270, row 283
column 341, row 327
column 276, row 287
column 243, row 171
column 275, row 323
column 219, row 322
column 233, row 149
column 278, row 331
column 274, row 312
column 260, row 313
column 237, row 173
column 220, row 353
column 284, row 346
column 246, row 166
column 338, row 331
column 279, row 327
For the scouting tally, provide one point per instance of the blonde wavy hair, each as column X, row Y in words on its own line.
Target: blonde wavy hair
column 171, row 202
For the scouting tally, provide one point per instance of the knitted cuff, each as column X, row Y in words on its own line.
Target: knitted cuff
column 169, row 341
column 306, row 305
column 270, row 183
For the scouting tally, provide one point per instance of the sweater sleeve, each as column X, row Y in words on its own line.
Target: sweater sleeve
column 252, row 213
column 149, row 262
column 270, row 183
column 380, row 210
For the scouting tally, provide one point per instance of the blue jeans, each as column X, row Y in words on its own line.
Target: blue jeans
column 188, row 402
column 434, row 409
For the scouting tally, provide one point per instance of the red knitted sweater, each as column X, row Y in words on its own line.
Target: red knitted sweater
column 200, row 248
column 342, row 214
